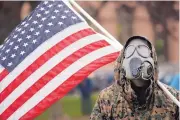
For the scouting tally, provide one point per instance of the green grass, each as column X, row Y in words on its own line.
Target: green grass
column 71, row 106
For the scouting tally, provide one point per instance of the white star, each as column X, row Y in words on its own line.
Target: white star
column 28, row 36
column 50, row 24
column 63, row 17
column 50, row 6
column 20, row 39
column 46, row 2
column 25, row 44
column 23, row 32
column 19, row 30
column 74, row 17
column 37, row 33
column 38, row 15
column 41, row 8
column 40, row 26
column 34, row 41
column 3, row 48
column 9, row 64
column 30, row 18
column 60, row 5
column 7, row 50
column 43, row 19
column 4, row 58
column 53, row 17
column 13, row 55
column 56, row 11
column 47, row 31
column 22, row 52
column 26, row 25
column 31, row 29
column 11, row 43
column 8, row 41
column 23, row 23
column 46, row 12
column 35, row 22
column 15, row 36
column 66, row 11
column 60, row 23
column 16, row 47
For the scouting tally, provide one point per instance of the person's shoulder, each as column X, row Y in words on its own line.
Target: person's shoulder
column 108, row 92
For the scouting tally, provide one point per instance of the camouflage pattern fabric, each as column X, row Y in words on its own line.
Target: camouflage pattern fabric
column 119, row 101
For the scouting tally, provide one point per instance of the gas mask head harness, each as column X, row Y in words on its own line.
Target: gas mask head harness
column 138, row 62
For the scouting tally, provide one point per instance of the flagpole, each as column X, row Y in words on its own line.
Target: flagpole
column 116, row 42
column 113, row 40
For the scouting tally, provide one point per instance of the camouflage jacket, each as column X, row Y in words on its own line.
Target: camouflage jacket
column 119, row 101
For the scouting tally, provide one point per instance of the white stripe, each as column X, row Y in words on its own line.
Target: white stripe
column 59, row 79
column 45, row 68
column 1, row 68
column 39, row 51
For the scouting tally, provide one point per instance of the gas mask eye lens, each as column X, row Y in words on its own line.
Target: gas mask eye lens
column 143, row 50
column 129, row 51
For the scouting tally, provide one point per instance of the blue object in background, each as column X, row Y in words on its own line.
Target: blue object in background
column 175, row 82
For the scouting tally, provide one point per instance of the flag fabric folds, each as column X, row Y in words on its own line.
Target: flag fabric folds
column 45, row 56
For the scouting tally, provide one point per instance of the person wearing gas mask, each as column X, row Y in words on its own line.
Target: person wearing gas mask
column 135, row 94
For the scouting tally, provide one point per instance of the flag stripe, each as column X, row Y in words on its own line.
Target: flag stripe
column 50, row 75
column 64, row 75
column 39, row 51
column 66, row 86
column 46, row 67
column 3, row 74
column 42, row 59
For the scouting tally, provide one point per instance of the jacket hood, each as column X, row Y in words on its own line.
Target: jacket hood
column 124, row 85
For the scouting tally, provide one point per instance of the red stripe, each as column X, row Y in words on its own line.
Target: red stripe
column 44, row 58
column 70, row 83
column 50, row 75
column 3, row 74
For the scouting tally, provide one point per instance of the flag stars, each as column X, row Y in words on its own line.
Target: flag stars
column 15, row 36
column 41, row 8
column 50, row 24
column 66, row 11
column 31, row 29
column 43, row 19
column 46, row 2
column 37, row 33
column 11, row 43
column 28, row 36
column 22, row 52
column 46, row 31
column 10, row 64
column 23, row 32
column 34, row 41
column 13, row 55
column 7, row 51
column 60, row 23
column 19, row 39
column 25, row 44
column 46, row 12
column 35, row 22
column 56, row 11
column 53, row 17
column 49, row 6
column 16, row 47
column 23, row 23
column 19, row 29
column 63, row 17
column 73, row 17
column 39, row 26
column 26, row 25
column 38, row 15
column 4, row 58
column 60, row 5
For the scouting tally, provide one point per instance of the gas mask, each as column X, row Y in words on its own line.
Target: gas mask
column 138, row 63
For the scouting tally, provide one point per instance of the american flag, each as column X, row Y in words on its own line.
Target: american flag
column 45, row 56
